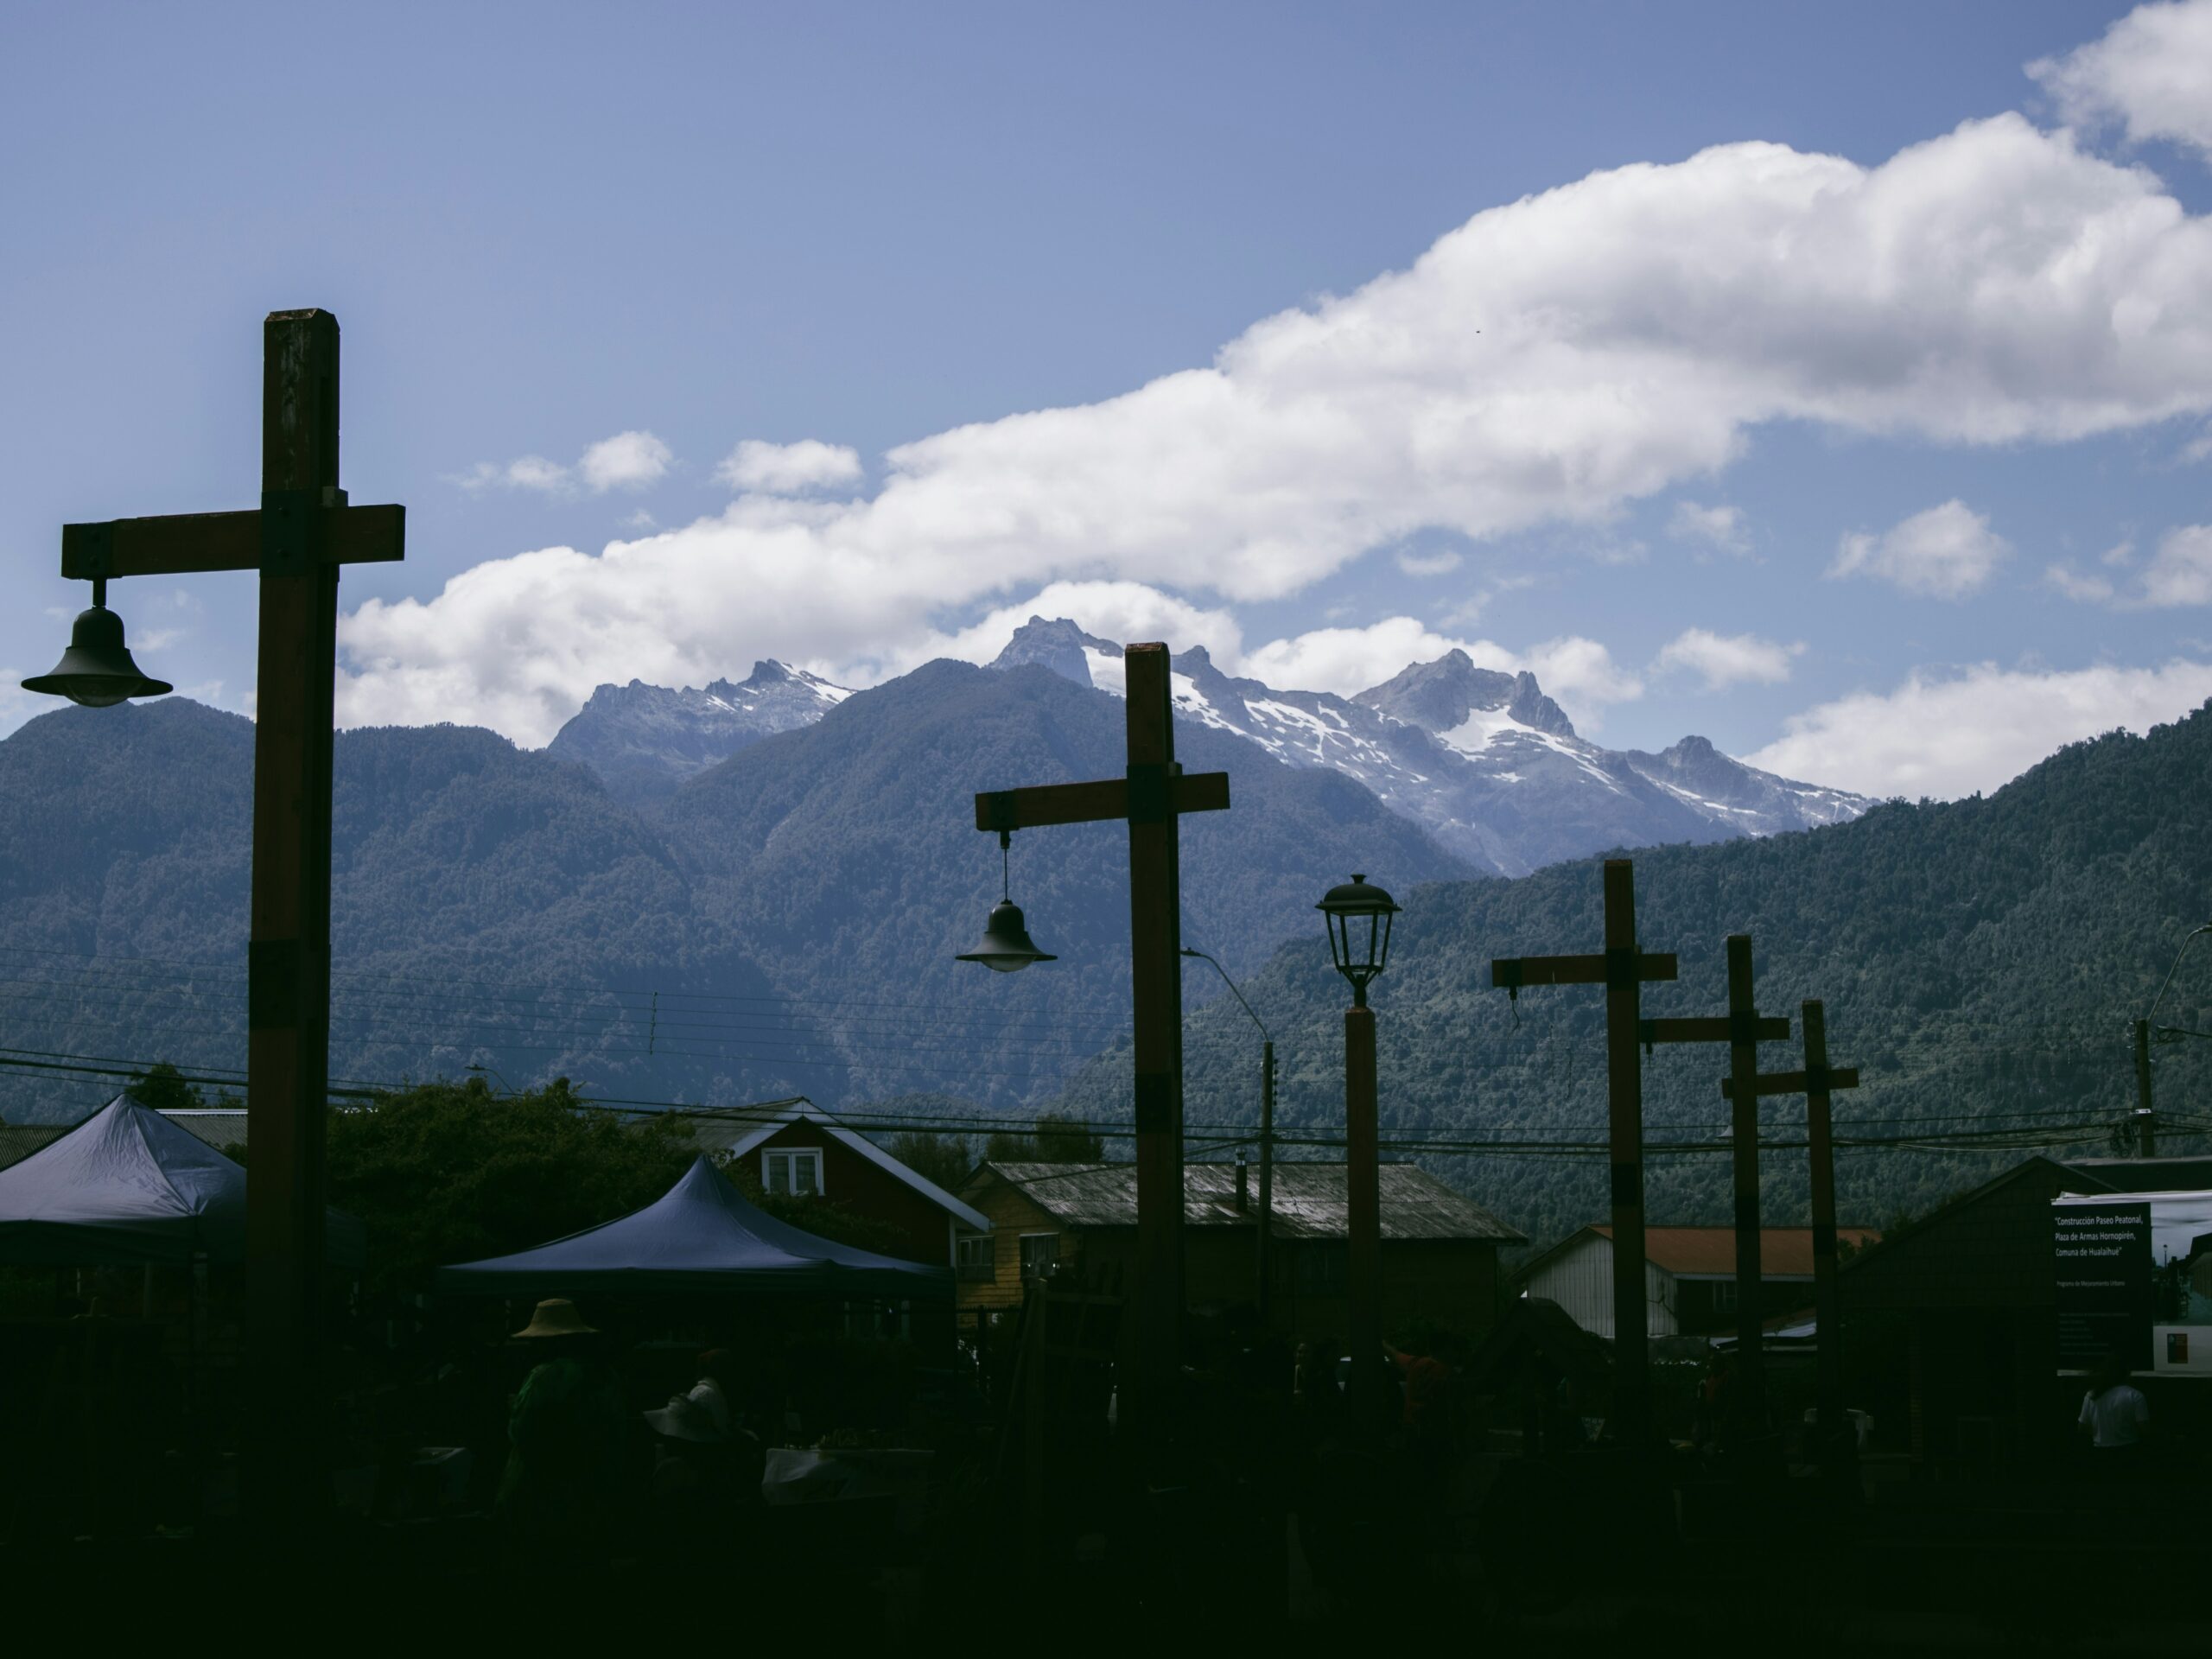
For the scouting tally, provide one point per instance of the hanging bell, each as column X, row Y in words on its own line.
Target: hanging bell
column 96, row 669
column 1006, row 946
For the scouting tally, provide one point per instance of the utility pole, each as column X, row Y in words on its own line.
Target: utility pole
column 1816, row 1081
column 303, row 531
column 1743, row 1030
column 1622, row 970
column 2146, row 1116
column 1151, row 798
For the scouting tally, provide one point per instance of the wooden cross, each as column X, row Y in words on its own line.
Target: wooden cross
column 1152, row 797
column 1743, row 1030
column 1815, row 1083
column 302, row 533
column 1622, row 970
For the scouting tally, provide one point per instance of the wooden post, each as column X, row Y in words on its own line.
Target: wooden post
column 287, row 979
column 1363, row 1224
column 1156, row 982
column 1743, row 1075
column 1151, row 796
column 302, row 531
column 1631, row 1407
column 1263, row 1242
column 1622, row 970
column 1828, row 1316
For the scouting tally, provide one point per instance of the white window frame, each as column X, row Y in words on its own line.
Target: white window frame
column 1022, row 1254
column 811, row 1155
column 984, row 1245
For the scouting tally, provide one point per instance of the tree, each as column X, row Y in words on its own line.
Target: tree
column 1058, row 1140
column 445, row 1172
column 164, row 1089
column 943, row 1159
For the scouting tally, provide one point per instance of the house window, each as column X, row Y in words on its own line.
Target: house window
column 1040, row 1255
column 797, row 1171
column 1324, row 1267
column 1723, row 1296
column 972, row 1257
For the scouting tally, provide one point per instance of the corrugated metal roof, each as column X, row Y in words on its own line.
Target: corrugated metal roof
column 1710, row 1252
column 1308, row 1200
column 19, row 1140
column 219, row 1127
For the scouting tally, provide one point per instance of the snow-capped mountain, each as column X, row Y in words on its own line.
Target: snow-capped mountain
column 1487, row 762
column 643, row 741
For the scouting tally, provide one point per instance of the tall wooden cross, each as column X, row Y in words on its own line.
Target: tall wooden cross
column 1151, row 798
column 1743, row 1030
column 1622, row 969
column 301, row 533
column 1815, row 1083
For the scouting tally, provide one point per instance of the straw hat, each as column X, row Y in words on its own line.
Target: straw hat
column 557, row 1316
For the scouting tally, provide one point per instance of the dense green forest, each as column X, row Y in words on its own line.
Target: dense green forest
column 1980, row 961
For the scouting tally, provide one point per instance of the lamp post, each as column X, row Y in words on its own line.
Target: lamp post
column 1359, row 916
column 2146, row 1121
column 1006, row 946
column 1263, row 1264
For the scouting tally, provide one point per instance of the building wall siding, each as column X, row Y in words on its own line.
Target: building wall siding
column 1580, row 1280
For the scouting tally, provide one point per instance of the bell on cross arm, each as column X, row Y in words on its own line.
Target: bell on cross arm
column 1006, row 946
column 97, row 670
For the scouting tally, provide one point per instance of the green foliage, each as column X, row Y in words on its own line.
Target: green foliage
column 943, row 1159
column 1059, row 1140
column 447, row 1172
column 164, row 1089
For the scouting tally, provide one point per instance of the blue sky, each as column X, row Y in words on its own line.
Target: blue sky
column 1872, row 445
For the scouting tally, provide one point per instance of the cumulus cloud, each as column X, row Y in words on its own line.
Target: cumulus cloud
column 1947, row 551
column 1579, row 673
column 789, row 468
column 1545, row 363
column 1726, row 659
column 1720, row 526
column 2180, row 573
column 1947, row 736
column 628, row 461
column 2151, row 73
column 1428, row 564
column 1120, row 611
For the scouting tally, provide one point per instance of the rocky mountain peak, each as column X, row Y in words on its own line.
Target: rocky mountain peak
column 1058, row 644
column 1439, row 696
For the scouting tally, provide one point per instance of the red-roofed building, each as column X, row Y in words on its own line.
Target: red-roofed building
column 1689, row 1272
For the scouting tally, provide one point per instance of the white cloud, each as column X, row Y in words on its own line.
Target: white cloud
column 2152, row 73
column 628, row 461
column 1993, row 285
column 1947, row 551
column 2089, row 588
column 789, row 468
column 1950, row 736
column 2181, row 572
column 1720, row 526
column 1428, row 564
column 1726, row 659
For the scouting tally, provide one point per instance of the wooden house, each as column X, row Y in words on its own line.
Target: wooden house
column 1689, row 1276
column 801, row 1149
column 1440, row 1250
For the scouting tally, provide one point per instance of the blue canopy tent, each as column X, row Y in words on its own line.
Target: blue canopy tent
column 128, row 1187
column 700, row 1236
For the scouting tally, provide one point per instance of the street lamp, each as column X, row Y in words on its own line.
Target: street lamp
column 1006, row 946
column 1261, row 1266
column 2146, row 1118
column 1359, row 915
column 97, row 670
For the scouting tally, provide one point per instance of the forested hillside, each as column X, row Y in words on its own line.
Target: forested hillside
column 1980, row 961
column 788, row 927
